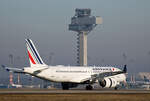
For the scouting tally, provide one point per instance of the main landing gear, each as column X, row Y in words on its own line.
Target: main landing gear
column 65, row 86
column 89, row 87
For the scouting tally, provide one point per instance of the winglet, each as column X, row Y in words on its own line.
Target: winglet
column 125, row 69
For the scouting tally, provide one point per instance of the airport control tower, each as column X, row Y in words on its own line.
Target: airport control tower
column 82, row 23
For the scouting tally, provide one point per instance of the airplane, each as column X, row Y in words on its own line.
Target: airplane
column 70, row 76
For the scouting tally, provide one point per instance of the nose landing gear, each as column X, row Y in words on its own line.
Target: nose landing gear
column 116, row 88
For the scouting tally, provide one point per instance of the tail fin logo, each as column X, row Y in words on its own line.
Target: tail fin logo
column 32, row 60
column 33, row 53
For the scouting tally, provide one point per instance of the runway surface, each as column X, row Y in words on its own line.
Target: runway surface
column 52, row 91
column 73, row 95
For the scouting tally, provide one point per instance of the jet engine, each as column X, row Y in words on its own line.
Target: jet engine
column 108, row 83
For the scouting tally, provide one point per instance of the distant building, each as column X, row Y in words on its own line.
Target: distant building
column 142, row 75
column 3, row 86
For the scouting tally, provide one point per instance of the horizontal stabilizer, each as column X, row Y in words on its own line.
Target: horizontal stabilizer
column 10, row 69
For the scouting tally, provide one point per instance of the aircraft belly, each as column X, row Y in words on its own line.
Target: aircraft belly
column 68, row 78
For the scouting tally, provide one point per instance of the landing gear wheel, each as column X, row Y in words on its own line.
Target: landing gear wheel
column 116, row 88
column 65, row 86
column 89, row 87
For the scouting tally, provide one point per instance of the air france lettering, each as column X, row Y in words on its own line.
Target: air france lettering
column 101, row 69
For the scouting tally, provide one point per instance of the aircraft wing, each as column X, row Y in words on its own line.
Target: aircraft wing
column 15, row 70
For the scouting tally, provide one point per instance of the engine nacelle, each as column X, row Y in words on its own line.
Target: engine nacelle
column 108, row 83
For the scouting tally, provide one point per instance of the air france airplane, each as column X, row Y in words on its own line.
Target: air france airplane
column 70, row 76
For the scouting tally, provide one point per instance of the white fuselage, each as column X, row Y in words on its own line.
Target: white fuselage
column 72, row 74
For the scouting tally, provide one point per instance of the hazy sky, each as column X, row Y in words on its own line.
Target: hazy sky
column 123, row 38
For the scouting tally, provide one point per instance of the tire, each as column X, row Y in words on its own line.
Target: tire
column 89, row 87
column 116, row 88
column 65, row 86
